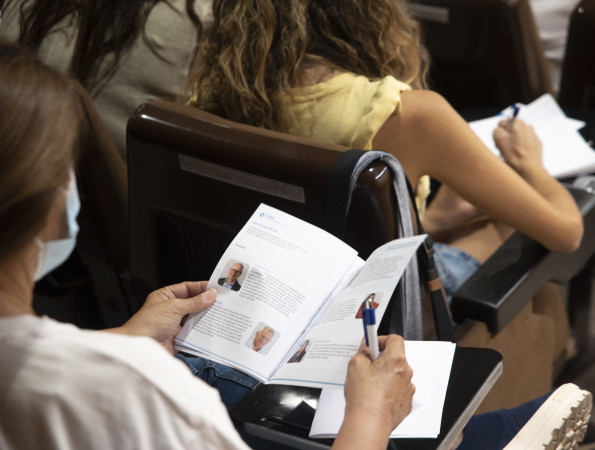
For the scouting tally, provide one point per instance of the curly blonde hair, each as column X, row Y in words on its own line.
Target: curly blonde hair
column 254, row 49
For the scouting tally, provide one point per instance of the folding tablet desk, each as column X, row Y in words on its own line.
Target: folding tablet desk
column 283, row 414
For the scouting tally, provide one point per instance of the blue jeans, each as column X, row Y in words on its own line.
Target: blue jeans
column 232, row 384
column 494, row 430
column 454, row 267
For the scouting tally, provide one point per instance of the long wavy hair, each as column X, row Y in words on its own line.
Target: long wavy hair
column 254, row 49
column 106, row 29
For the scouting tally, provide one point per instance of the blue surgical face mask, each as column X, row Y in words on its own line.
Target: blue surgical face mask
column 53, row 253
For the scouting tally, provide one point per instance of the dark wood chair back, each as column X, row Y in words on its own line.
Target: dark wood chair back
column 577, row 87
column 484, row 54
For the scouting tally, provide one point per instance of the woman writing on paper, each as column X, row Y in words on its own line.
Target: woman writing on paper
column 353, row 73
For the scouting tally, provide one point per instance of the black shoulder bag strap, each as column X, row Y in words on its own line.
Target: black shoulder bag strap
column 429, row 272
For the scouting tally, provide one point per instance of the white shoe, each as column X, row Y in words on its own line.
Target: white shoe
column 559, row 424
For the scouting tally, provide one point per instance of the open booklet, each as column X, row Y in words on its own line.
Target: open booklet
column 565, row 152
column 288, row 309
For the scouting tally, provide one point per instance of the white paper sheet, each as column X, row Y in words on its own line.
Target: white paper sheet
column 565, row 152
column 431, row 362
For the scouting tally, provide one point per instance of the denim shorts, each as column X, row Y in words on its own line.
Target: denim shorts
column 454, row 267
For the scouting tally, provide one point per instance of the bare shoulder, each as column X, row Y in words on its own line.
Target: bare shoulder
column 422, row 123
column 419, row 110
column 426, row 106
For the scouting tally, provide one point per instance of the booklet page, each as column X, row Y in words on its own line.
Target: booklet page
column 321, row 356
column 275, row 276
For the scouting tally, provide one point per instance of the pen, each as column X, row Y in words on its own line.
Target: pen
column 515, row 112
column 370, row 334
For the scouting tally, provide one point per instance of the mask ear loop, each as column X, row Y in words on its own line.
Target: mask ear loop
column 40, row 244
column 41, row 255
column 73, row 204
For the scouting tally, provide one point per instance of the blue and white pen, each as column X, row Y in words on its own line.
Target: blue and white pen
column 515, row 112
column 370, row 333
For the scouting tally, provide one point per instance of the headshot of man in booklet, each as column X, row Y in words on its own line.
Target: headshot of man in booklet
column 262, row 337
column 231, row 282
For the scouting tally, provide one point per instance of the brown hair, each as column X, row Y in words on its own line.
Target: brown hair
column 254, row 49
column 106, row 30
column 39, row 127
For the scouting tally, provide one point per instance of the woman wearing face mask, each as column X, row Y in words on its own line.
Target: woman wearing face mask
column 66, row 388
column 62, row 387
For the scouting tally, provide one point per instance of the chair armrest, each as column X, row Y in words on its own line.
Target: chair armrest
column 506, row 282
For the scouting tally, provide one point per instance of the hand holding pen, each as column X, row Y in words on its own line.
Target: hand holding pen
column 519, row 145
column 378, row 393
